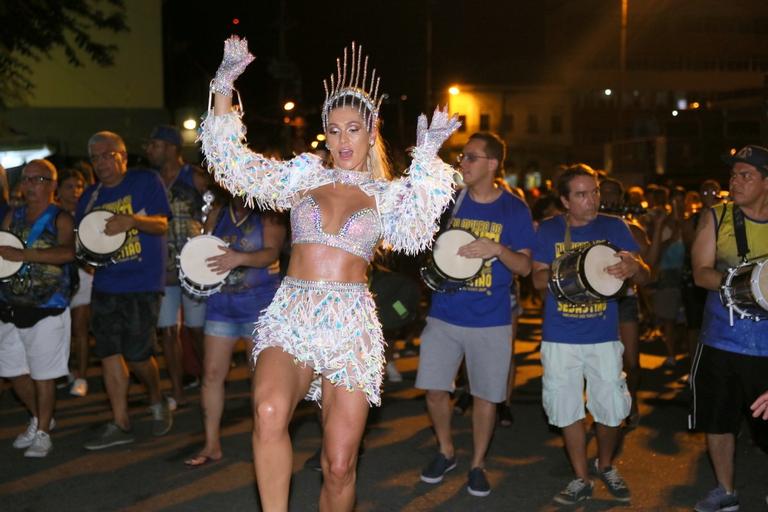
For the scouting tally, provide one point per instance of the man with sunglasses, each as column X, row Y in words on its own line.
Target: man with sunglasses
column 34, row 303
column 126, row 293
column 474, row 323
column 730, row 368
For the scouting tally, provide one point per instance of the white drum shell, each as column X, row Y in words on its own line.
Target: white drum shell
column 451, row 264
column 596, row 260
column 9, row 268
column 194, row 273
column 91, row 236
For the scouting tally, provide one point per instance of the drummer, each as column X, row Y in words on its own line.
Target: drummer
column 581, row 341
column 474, row 323
column 730, row 368
column 126, row 293
column 253, row 241
column 34, row 303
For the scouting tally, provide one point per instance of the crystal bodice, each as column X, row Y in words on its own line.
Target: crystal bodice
column 359, row 234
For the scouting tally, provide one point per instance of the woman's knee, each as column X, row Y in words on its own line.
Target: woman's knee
column 339, row 468
column 271, row 416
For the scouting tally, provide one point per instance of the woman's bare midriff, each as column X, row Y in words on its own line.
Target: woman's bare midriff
column 315, row 262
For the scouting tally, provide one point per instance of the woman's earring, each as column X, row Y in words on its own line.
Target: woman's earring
column 371, row 142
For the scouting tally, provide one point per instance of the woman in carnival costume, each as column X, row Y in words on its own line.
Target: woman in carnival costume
column 322, row 321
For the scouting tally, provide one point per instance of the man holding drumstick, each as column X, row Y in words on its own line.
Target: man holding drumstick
column 474, row 323
column 581, row 341
column 126, row 293
column 730, row 368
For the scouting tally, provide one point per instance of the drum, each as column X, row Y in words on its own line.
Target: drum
column 194, row 275
column 447, row 271
column 579, row 276
column 92, row 245
column 745, row 290
column 8, row 269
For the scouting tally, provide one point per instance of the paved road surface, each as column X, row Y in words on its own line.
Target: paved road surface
column 665, row 466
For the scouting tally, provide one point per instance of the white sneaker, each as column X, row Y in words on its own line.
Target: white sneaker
column 172, row 403
column 25, row 439
column 41, row 446
column 79, row 387
column 393, row 375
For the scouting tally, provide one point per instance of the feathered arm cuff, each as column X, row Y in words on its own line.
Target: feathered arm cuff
column 410, row 207
column 268, row 182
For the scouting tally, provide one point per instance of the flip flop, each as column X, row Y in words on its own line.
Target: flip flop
column 200, row 461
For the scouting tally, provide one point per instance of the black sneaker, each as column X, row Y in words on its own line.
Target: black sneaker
column 613, row 482
column 433, row 474
column 577, row 490
column 477, row 484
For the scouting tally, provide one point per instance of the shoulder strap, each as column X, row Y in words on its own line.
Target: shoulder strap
column 567, row 241
column 40, row 223
column 741, row 233
column 454, row 211
column 92, row 200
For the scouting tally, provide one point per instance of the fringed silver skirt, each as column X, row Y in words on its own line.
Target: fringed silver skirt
column 331, row 327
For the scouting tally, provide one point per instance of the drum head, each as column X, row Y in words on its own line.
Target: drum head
column 596, row 259
column 450, row 263
column 759, row 283
column 193, row 256
column 90, row 233
column 8, row 268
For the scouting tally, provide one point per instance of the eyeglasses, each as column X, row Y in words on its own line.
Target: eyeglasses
column 35, row 180
column 710, row 192
column 470, row 157
column 104, row 156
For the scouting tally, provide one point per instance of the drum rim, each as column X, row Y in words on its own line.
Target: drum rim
column 20, row 264
column 580, row 254
column 754, row 281
column 446, row 276
column 91, row 251
column 583, row 275
column 183, row 275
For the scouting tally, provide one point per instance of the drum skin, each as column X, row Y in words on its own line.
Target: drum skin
column 447, row 271
column 95, row 247
column 194, row 274
column 9, row 268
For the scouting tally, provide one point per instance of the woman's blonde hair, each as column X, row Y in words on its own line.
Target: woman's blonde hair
column 378, row 160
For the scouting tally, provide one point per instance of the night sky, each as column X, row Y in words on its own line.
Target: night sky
column 468, row 39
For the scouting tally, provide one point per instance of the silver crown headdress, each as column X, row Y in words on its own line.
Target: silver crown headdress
column 349, row 89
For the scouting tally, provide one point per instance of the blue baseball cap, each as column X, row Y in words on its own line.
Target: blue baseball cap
column 166, row 133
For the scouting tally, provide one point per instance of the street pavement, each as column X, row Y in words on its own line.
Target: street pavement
column 665, row 466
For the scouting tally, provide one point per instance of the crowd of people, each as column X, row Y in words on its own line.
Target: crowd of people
column 313, row 328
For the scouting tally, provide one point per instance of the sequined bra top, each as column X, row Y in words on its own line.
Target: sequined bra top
column 359, row 234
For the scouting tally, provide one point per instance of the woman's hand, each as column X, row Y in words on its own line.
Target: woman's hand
column 442, row 126
column 236, row 59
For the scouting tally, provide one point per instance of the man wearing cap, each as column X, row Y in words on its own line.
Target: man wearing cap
column 185, row 184
column 730, row 368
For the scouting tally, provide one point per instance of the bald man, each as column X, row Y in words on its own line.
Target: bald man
column 34, row 303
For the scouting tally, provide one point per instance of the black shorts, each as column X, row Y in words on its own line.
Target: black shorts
column 125, row 324
column 724, row 385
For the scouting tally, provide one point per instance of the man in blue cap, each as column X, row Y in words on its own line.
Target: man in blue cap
column 185, row 184
column 730, row 368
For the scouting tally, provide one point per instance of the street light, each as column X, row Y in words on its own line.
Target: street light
column 189, row 124
column 314, row 144
column 454, row 90
column 320, row 137
column 288, row 106
column 607, row 92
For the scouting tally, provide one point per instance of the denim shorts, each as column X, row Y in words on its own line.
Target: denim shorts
column 229, row 329
column 173, row 299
